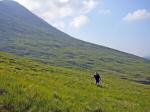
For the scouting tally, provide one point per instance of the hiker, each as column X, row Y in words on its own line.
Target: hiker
column 97, row 78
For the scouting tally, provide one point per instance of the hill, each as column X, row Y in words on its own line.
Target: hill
column 148, row 57
column 25, row 34
column 29, row 85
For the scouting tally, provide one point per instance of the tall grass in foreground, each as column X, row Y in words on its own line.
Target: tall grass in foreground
column 30, row 86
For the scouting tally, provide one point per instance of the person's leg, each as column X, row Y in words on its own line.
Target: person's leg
column 97, row 82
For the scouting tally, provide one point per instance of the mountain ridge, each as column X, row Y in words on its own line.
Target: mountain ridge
column 47, row 25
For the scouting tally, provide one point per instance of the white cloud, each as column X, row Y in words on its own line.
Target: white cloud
column 63, row 0
column 139, row 14
column 59, row 24
column 79, row 21
column 89, row 5
column 54, row 11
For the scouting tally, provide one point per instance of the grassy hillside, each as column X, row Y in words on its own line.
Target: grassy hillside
column 28, row 85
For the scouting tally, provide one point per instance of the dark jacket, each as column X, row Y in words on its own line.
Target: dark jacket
column 97, row 77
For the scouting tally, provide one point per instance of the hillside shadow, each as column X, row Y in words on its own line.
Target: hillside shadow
column 142, row 82
column 146, row 82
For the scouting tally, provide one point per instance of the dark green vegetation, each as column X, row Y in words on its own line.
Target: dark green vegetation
column 58, row 79
column 30, row 86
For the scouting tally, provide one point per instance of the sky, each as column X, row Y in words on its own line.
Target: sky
column 119, row 24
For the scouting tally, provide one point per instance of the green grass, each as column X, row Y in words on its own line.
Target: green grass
column 31, row 86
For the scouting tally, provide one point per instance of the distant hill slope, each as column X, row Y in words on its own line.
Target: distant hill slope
column 148, row 57
column 23, row 33
column 30, row 86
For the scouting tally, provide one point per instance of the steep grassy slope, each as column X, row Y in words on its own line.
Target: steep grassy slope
column 27, row 85
column 23, row 33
